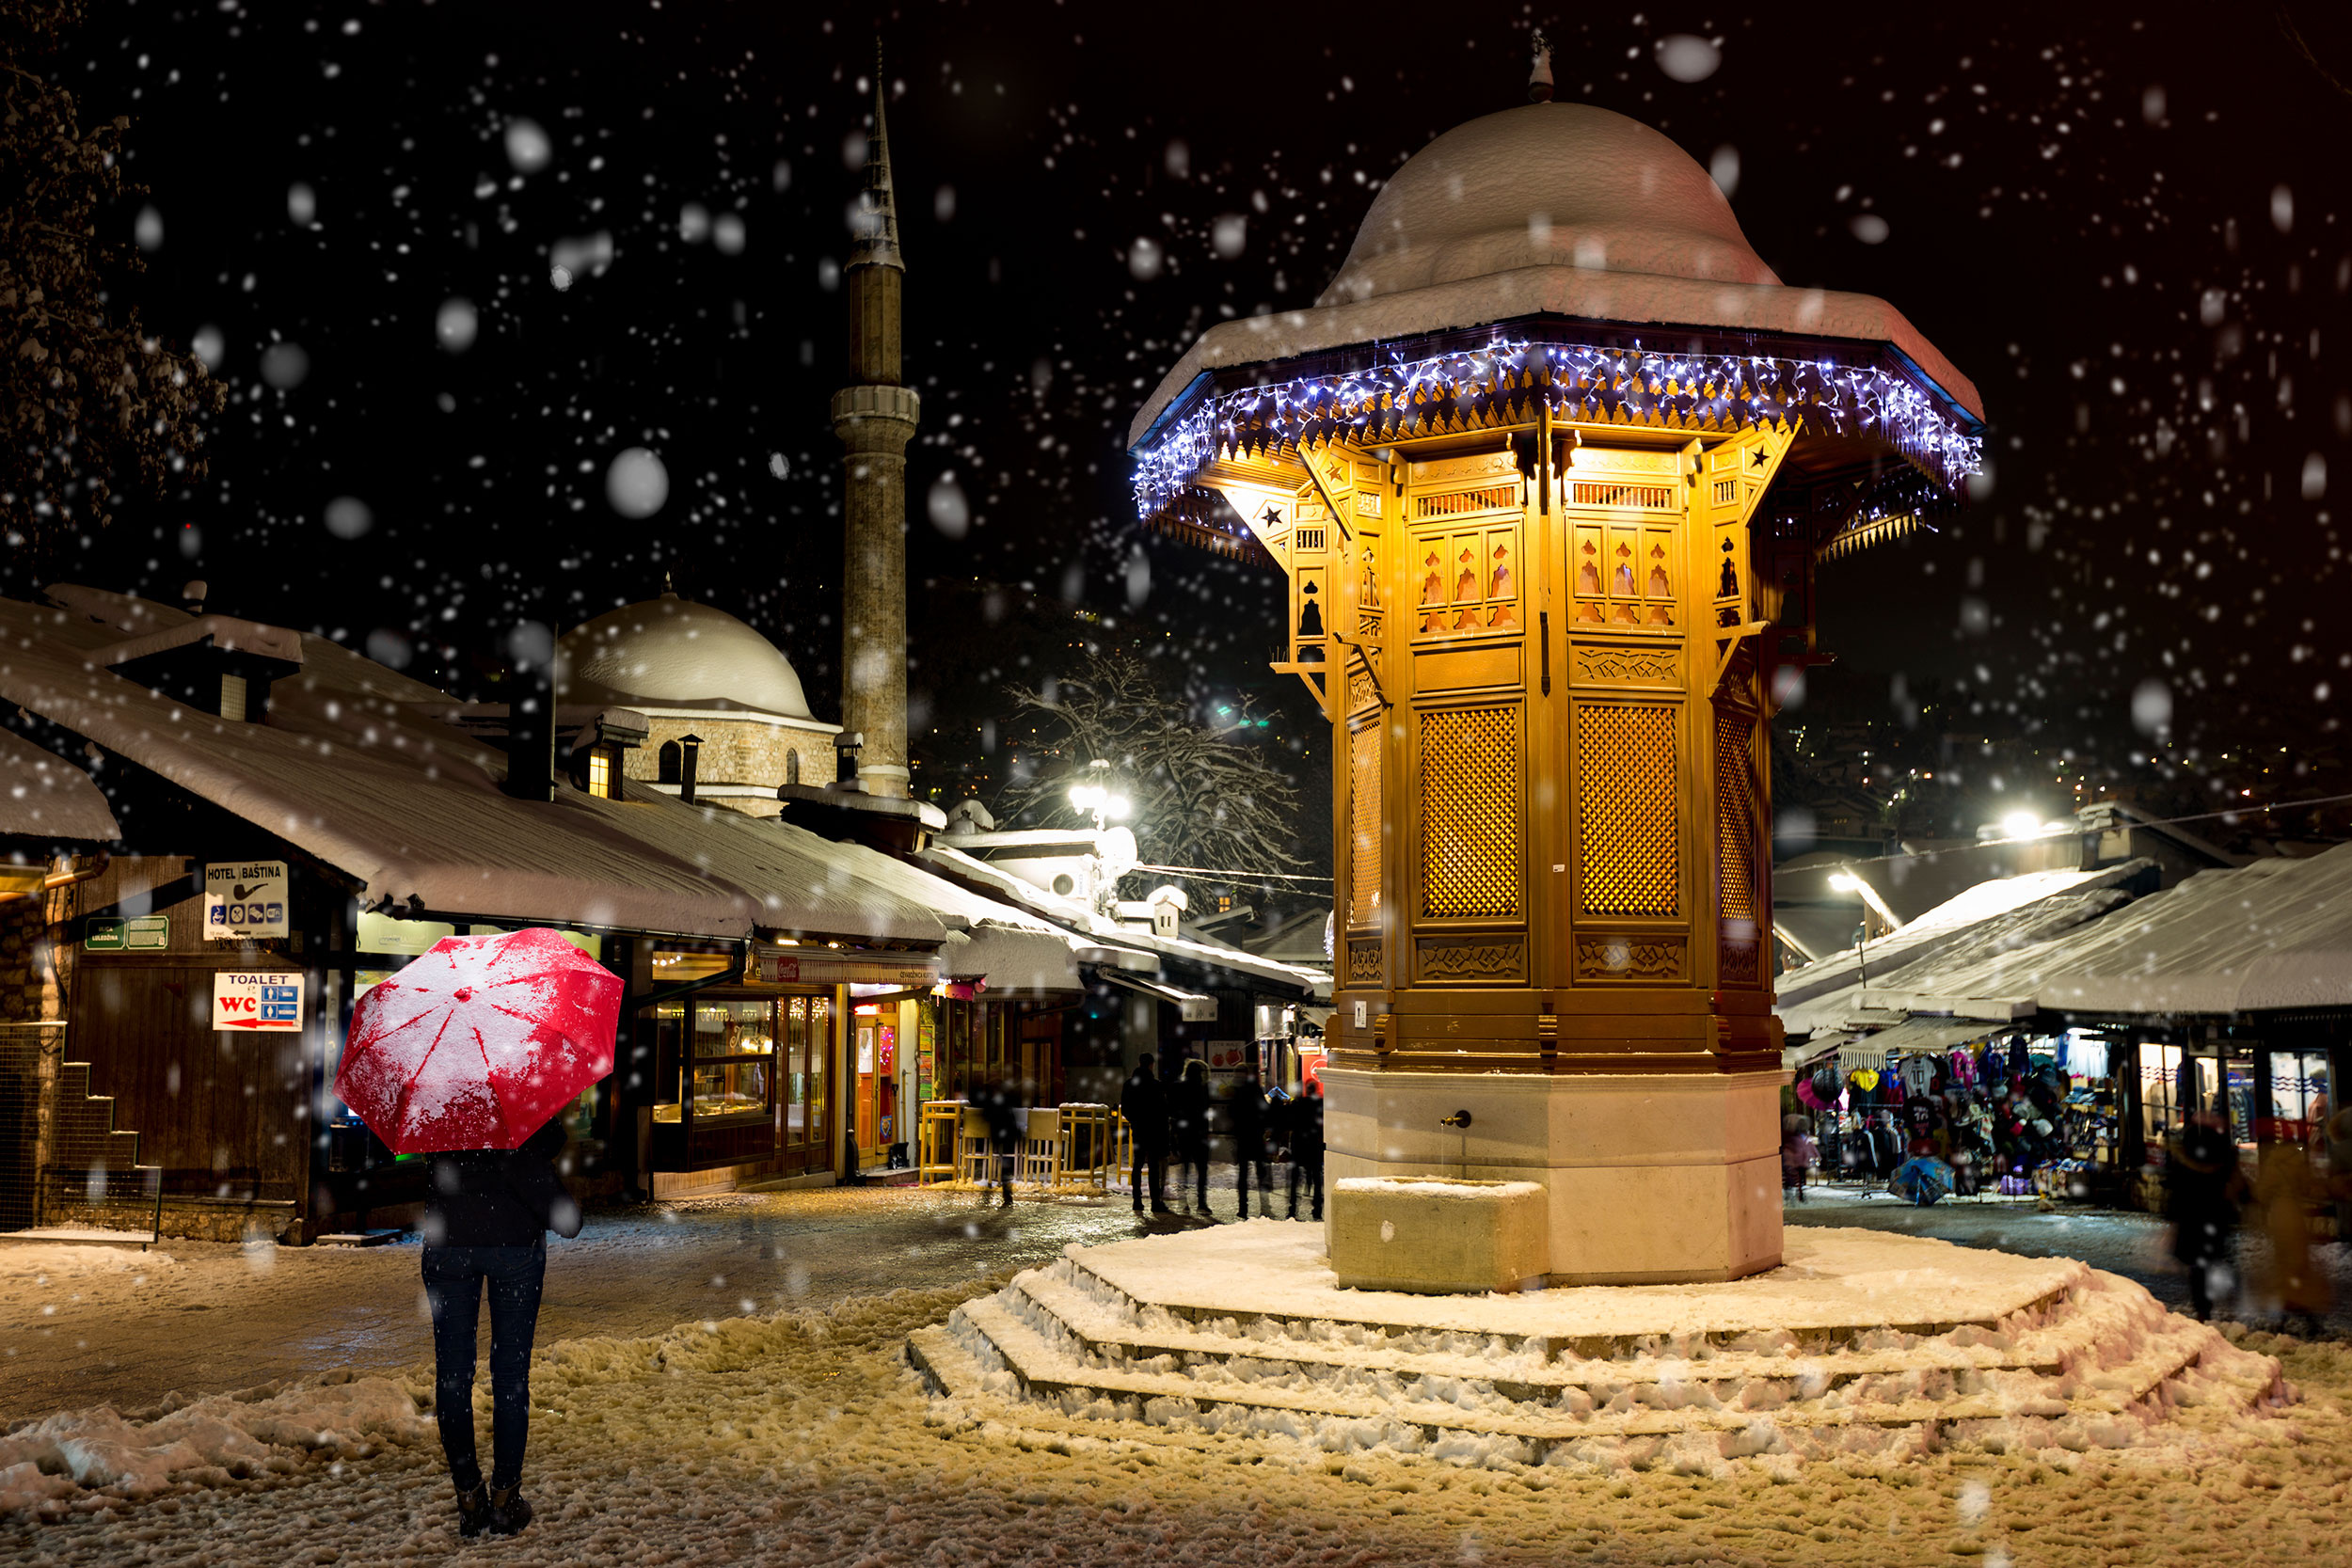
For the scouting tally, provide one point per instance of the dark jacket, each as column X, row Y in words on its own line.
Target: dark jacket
column 1306, row 1129
column 2201, row 1177
column 1189, row 1117
column 1246, row 1113
column 499, row 1197
column 1144, row 1103
column 1002, row 1108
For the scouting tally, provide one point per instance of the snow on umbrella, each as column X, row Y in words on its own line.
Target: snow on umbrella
column 479, row 1042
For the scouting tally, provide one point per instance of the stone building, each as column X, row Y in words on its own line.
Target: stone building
column 699, row 676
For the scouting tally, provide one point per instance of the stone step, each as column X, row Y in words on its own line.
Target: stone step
column 1597, row 1347
column 1042, row 1372
column 1116, row 1333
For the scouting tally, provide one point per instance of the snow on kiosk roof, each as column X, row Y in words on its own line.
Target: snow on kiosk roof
column 1562, row 257
column 354, row 769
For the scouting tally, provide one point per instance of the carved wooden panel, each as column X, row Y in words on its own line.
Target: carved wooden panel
column 1739, row 961
column 1363, row 963
column 1601, row 664
column 1470, row 813
column 1616, row 955
column 1364, row 829
column 1452, row 669
column 1628, row 809
column 1735, row 814
column 1471, row 959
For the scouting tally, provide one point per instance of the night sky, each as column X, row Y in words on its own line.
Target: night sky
column 2126, row 225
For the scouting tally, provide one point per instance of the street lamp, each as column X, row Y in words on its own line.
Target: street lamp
column 1094, row 795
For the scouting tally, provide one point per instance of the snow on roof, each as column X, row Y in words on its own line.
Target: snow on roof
column 1996, row 915
column 352, row 769
column 1075, row 915
column 45, row 797
column 674, row 653
column 2276, row 934
column 222, row 631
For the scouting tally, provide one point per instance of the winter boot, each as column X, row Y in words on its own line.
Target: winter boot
column 510, row 1511
column 473, row 1511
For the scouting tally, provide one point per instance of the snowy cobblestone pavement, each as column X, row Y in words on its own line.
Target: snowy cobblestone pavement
column 2135, row 1245
column 672, row 1425
column 86, row 1325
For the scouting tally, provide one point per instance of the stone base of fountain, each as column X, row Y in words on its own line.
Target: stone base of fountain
column 1861, row 1344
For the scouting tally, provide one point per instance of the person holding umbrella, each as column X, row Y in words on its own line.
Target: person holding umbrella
column 469, row 1056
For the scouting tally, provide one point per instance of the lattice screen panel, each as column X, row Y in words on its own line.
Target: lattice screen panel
column 1735, row 813
column 1630, row 821
column 1363, row 824
column 1470, row 813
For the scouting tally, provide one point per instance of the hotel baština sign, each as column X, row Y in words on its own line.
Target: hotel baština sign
column 245, row 900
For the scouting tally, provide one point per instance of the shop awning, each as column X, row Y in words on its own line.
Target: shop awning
column 1927, row 1034
column 1192, row 1007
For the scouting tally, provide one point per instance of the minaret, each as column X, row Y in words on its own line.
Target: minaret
column 875, row 418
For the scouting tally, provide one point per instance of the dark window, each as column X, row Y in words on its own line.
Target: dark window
column 672, row 763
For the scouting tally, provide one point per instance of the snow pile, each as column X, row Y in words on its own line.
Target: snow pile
column 43, row 1466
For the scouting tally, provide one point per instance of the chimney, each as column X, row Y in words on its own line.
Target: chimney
column 846, row 747
column 689, row 754
column 531, row 714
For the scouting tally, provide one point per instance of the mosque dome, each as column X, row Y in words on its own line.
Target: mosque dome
column 672, row 653
column 1545, row 184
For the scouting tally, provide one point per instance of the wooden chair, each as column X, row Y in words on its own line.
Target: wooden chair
column 974, row 1153
column 1040, row 1148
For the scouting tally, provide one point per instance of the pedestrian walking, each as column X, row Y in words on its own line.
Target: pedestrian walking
column 2201, row 1184
column 1246, row 1114
column 1188, row 1128
column 485, row 1223
column 2285, row 1188
column 1000, row 1104
column 1797, row 1154
column 1306, row 1140
column 1144, row 1103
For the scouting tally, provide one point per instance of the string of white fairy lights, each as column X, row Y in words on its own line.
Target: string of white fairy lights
column 1392, row 399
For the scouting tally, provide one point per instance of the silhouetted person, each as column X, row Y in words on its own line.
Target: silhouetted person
column 1797, row 1154
column 1306, row 1136
column 1000, row 1103
column 1144, row 1103
column 2285, row 1186
column 1188, row 1128
column 1246, row 1114
column 485, row 1221
column 2200, row 1201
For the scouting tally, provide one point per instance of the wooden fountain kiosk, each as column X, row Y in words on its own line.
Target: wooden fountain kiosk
column 1549, row 467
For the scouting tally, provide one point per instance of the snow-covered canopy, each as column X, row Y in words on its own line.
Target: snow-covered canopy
column 1573, row 226
column 2275, row 934
column 354, row 769
column 44, row 797
column 1996, row 915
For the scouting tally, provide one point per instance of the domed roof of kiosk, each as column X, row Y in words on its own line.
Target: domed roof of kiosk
column 1549, row 210
column 1545, row 184
column 672, row 653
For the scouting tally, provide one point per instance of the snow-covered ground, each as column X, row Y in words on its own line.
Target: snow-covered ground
column 81, row 1326
column 799, row 1437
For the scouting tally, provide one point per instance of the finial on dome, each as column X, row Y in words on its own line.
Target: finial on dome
column 668, row 583
column 1539, row 79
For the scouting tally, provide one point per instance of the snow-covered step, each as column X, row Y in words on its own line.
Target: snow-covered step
column 1122, row 1336
column 1072, row 1351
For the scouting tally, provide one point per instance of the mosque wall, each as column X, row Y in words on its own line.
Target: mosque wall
column 735, row 751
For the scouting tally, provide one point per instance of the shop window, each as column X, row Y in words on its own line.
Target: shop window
column 735, row 1061
column 2298, row 1096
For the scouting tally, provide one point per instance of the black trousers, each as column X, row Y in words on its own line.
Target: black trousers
column 454, row 1280
column 1243, row 1160
column 1196, row 1172
column 1153, row 1161
column 1311, row 1172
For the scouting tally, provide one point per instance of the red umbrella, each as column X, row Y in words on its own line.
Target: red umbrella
column 478, row 1042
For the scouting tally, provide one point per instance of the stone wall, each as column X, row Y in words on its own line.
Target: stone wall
column 736, row 751
column 28, row 989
